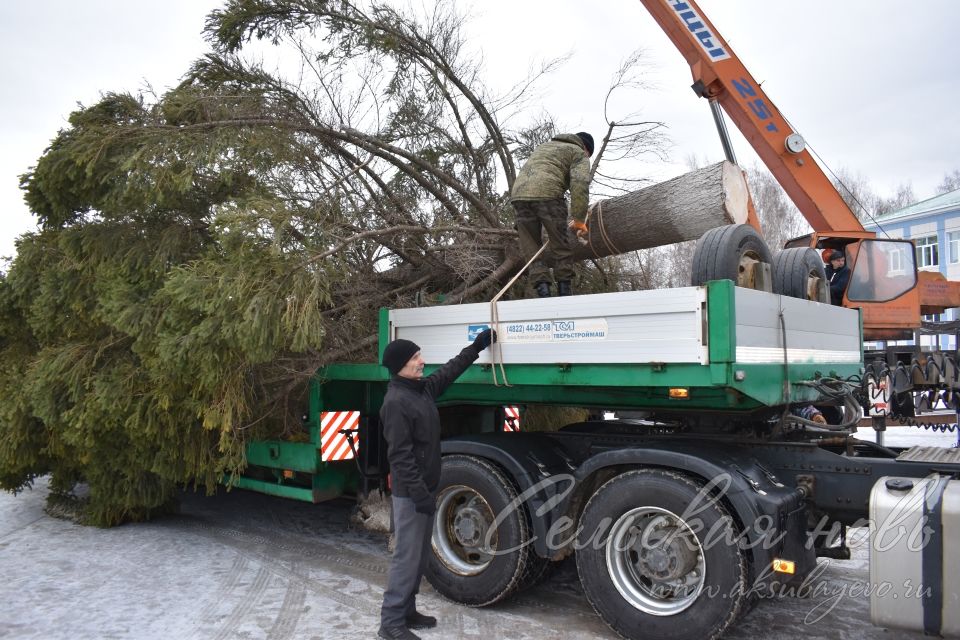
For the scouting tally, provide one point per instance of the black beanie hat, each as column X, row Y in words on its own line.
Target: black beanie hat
column 398, row 353
column 836, row 255
column 587, row 140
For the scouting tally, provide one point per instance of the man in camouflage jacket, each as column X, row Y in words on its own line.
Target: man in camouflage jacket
column 555, row 167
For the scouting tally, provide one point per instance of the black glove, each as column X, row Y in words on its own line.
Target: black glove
column 427, row 506
column 483, row 339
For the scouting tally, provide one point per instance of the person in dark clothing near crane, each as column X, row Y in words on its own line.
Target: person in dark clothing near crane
column 838, row 275
column 411, row 427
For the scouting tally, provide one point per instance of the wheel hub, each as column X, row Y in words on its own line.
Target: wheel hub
column 461, row 530
column 655, row 561
column 469, row 527
column 748, row 272
column 665, row 555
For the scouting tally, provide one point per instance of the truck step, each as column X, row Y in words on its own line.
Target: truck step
column 931, row 454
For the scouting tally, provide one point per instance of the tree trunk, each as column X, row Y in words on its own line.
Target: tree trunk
column 680, row 209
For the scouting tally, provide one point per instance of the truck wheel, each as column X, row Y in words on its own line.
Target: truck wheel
column 728, row 253
column 537, row 568
column 477, row 560
column 649, row 570
column 798, row 273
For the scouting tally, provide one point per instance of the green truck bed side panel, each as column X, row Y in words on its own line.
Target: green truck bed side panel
column 278, row 454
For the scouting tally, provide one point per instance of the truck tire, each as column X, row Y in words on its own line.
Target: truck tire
column 798, row 273
column 472, row 493
column 652, row 572
column 537, row 568
column 723, row 253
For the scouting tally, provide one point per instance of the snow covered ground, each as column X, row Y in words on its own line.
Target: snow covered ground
column 245, row 565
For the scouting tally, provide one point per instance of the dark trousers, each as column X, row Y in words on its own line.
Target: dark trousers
column 550, row 216
column 412, row 532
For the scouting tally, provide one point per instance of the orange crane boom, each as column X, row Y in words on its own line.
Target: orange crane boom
column 894, row 303
column 720, row 76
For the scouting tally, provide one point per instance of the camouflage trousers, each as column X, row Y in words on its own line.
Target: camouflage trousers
column 550, row 215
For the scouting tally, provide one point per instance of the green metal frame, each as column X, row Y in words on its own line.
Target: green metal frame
column 634, row 385
column 722, row 385
column 326, row 482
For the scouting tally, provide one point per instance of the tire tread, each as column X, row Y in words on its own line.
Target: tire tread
column 718, row 251
column 791, row 267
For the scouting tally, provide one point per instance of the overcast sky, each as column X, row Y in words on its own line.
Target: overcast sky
column 872, row 85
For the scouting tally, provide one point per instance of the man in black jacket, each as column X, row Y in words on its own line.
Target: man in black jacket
column 411, row 426
column 838, row 274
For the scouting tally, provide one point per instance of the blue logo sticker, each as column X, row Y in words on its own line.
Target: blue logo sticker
column 474, row 330
column 698, row 27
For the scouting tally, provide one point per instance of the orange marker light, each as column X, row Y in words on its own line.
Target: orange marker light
column 784, row 566
column 679, row 394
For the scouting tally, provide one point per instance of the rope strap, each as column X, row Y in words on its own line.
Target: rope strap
column 496, row 353
column 612, row 248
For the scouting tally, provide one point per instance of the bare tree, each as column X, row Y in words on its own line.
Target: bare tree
column 780, row 219
column 629, row 136
column 951, row 182
column 856, row 191
column 901, row 198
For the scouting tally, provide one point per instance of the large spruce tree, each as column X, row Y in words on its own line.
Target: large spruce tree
column 200, row 253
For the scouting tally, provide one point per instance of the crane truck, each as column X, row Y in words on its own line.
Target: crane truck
column 884, row 281
column 719, row 493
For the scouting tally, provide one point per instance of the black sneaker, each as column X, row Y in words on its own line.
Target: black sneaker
column 396, row 633
column 543, row 289
column 417, row 620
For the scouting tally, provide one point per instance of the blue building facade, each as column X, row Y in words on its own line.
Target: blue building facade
column 934, row 227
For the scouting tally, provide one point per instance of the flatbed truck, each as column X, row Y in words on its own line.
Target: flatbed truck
column 719, row 492
column 678, row 520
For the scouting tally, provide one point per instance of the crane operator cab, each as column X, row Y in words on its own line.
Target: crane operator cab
column 882, row 281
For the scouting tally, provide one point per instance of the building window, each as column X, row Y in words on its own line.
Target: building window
column 927, row 254
column 896, row 261
column 953, row 246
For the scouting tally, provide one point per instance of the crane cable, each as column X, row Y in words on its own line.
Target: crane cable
column 853, row 196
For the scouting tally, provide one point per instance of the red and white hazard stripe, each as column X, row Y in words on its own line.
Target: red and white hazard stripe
column 333, row 444
column 511, row 420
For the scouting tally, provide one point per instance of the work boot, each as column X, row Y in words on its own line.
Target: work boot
column 417, row 620
column 563, row 288
column 543, row 289
column 396, row 633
